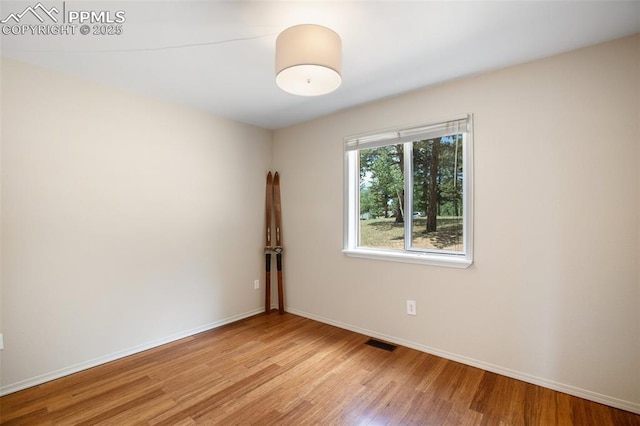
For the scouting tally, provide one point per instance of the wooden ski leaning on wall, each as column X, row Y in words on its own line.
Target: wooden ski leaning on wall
column 268, row 248
column 273, row 205
column 278, row 248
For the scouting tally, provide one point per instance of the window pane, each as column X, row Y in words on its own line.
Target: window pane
column 437, row 194
column 408, row 194
column 382, row 197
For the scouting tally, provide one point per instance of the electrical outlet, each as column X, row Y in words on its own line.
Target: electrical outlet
column 411, row 307
column 1, row 343
column 256, row 284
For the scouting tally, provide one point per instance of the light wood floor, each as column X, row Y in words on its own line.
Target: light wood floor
column 273, row 369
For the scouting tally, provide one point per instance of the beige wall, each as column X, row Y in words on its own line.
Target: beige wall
column 126, row 222
column 553, row 294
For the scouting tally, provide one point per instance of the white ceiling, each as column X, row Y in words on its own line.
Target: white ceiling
column 219, row 56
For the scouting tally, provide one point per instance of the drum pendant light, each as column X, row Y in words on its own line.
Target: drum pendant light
column 308, row 60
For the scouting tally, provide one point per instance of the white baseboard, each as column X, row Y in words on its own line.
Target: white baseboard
column 38, row 380
column 550, row 384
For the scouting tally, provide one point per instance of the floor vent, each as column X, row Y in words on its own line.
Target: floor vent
column 381, row 345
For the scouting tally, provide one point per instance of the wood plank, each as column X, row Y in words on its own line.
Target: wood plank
column 285, row 369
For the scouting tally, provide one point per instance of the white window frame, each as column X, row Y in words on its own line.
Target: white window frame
column 352, row 144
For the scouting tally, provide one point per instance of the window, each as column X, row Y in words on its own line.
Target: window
column 408, row 194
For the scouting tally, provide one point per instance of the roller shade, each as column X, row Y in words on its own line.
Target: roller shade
column 430, row 131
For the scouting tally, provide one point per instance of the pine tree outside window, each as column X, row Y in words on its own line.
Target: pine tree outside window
column 408, row 194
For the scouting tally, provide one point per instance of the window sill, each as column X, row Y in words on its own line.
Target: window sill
column 450, row 261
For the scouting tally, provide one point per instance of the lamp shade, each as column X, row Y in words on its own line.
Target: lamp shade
column 308, row 60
